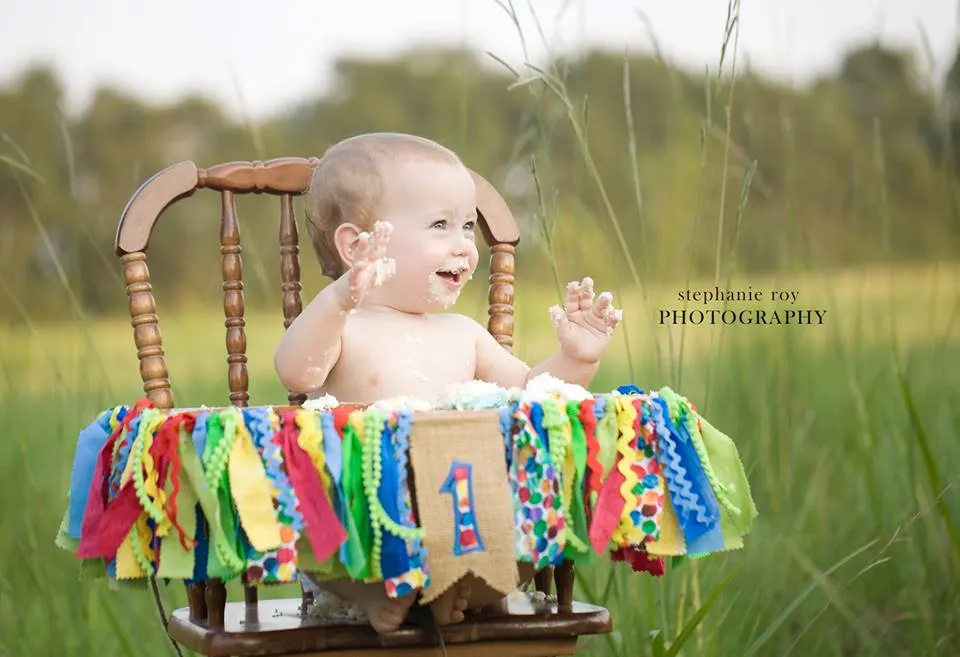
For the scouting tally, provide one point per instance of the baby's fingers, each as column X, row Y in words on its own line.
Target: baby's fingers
column 571, row 302
column 585, row 298
column 604, row 302
column 604, row 310
column 379, row 239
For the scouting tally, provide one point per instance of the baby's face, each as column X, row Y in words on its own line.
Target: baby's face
column 433, row 209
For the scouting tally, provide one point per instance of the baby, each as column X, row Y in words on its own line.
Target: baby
column 393, row 220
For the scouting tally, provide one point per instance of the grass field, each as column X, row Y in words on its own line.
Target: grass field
column 849, row 431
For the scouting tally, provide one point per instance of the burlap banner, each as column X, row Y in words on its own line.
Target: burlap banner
column 464, row 501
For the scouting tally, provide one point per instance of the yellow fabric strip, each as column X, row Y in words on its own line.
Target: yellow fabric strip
column 671, row 541
column 127, row 565
column 626, row 532
column 310, row 439
column 144, row 436
column 146, row 556
column 252, row 491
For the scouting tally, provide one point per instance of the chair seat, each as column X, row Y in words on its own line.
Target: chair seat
column 523, row 628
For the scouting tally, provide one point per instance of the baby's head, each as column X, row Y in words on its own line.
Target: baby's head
column 421, row 188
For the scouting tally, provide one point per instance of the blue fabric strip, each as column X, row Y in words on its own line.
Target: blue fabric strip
column 536, row 418
column 599, row 406
column 696, row 506
column 200, row 433
column 333, row 458
column 332, row 447
column 394, row 560
column 401, row 444
column 201, row 549
column 90, row 442
column 123, row 455
column 506, row 429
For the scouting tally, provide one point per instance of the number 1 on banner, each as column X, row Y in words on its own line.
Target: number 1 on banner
column 466, row 534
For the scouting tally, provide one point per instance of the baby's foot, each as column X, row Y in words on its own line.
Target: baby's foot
column 449, row 607
column 384, row 613
column 387, row 614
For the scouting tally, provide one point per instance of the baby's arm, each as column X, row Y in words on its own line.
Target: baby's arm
column 584, row 329
column 310, row 347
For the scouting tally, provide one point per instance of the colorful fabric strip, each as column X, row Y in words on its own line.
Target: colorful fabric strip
column 225, row 493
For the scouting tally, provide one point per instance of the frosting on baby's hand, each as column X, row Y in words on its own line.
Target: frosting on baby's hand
column 370, row 267
column 586, row 322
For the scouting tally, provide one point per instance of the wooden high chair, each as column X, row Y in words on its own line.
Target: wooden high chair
column 210, row 625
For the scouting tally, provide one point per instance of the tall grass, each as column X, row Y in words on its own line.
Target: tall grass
column 809, row 490
column 848, row 431
column 851, row 553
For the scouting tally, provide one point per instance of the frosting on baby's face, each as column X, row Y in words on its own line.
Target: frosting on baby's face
column 432, row 207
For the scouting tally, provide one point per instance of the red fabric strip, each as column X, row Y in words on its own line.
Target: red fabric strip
column 341, row 415
column 167, row 460
column 606, row 514
column 322, row 525
column 594, row 467
column 639, row 559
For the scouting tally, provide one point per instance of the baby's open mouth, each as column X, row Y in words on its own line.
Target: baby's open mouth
column 451, row 275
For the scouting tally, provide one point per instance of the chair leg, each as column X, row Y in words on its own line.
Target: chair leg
column 564, row 578
column 216, row 597
column 196, row 599
column 543, row 580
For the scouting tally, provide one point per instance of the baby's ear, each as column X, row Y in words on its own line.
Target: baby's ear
column 345, row 239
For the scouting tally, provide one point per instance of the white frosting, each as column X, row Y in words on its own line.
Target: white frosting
column 473, row 395
column 321, row 403
column 546, row 386
column 477, row 395
column 384, row 268
column 402, row 403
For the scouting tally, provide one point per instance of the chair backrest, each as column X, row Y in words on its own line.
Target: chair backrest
column 286, row 178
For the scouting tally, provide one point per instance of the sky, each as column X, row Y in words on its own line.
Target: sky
column 256, row 62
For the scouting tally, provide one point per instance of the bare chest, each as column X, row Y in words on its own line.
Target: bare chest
column 381, row 360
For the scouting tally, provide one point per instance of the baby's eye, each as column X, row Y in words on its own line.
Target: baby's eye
column 470, row 225
column 439, row 224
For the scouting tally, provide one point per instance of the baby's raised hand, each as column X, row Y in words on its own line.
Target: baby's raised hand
column 370, row 267
column 585, row 324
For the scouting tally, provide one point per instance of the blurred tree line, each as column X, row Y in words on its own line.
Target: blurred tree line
column 853, row 169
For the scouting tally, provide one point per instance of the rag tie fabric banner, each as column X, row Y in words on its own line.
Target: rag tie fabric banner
column 413, row 499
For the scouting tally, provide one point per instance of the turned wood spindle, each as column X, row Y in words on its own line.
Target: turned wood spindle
column 563, row 577
column 500, row 295
column 231, row 267
column 292, row 303
column 197, row 602
column 146, row 329
column 543, row 580
column 216, row 598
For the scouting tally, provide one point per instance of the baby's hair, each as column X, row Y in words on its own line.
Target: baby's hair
column 347, row 186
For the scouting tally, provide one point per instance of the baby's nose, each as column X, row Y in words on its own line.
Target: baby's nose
column 462, row 246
